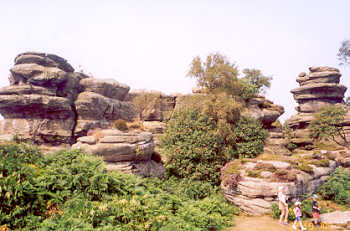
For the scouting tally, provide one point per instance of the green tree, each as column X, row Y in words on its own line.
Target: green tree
column 215, row 74
column 256, row 77
column 327, row 124
column 199, row 145
column 344, row 52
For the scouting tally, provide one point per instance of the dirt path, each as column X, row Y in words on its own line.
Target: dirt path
column 268, row 224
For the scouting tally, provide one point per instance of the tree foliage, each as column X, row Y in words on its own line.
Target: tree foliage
column 337, row 187
column 256, row 78
column 327, row 124
column 216, row 74
column 199, row 145
column 208, row 130
column 344, row 52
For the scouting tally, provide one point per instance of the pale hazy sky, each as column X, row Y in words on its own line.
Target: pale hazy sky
column 150, row 44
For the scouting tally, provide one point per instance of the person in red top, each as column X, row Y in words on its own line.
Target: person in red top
column 315, row 210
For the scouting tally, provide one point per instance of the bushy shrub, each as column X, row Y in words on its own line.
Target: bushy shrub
column 337, row 187
column 20, row 201
column 198, row 148
column 72, row 191
column 275, row 211
column 195, row 149
column 120, row 125
column 249, row 137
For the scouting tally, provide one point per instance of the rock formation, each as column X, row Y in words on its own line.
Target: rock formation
column 256, row 189
column 317, row 89
column 264, row 110
column 254, row 186
column 267, row 112
column 130, row 152
column 47, row 102
column 337, row 220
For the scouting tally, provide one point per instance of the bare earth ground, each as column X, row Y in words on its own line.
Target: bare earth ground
column 266, row 223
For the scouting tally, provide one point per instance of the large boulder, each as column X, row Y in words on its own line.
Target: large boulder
column 264, row 110
column 130, row 152
column 44, row 59
column 338, row 220
column 97, row 111
column 107, row 87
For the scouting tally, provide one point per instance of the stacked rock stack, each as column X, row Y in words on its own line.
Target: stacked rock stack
column 38, row 104
column 317, row 89
column 47, row 102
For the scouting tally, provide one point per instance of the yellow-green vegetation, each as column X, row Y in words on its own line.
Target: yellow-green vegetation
column 284, row 175
column 328, row 146
column 73, row 191
column 135, row 125
column 277, row 124
column 305, row 167
column 120, row 125
column 259, row 168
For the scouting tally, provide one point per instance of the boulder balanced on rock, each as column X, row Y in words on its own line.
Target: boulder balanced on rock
column 47, row 102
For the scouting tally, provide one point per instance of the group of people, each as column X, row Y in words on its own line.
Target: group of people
column 283, row 206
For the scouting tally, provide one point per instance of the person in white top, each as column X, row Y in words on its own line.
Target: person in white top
column 282, row 205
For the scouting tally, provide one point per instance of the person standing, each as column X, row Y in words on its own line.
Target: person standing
column 315, row 210
column 297, row 213
column 282, row 205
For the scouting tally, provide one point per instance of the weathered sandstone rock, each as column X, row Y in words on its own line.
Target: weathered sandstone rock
column 264, row 110
column 130, row 152
column 106, row 87
column 317, row 89
column 47, row 102
column 339, row 220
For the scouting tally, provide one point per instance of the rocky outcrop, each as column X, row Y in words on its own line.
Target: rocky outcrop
column 338, row 220
column 130, row 152
column 47, row 102
column 317, row 89
column 267, row 112
column 264, row 110
column 256, row 190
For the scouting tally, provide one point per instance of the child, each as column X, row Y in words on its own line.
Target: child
column 315, row 210
column 297, row 213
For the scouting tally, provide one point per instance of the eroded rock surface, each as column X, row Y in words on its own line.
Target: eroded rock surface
column 130, row 152
column 339, row 220
column 317, row 89
column 47, row 102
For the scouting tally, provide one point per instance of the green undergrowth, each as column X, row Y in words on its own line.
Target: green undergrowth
column 70, row 190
